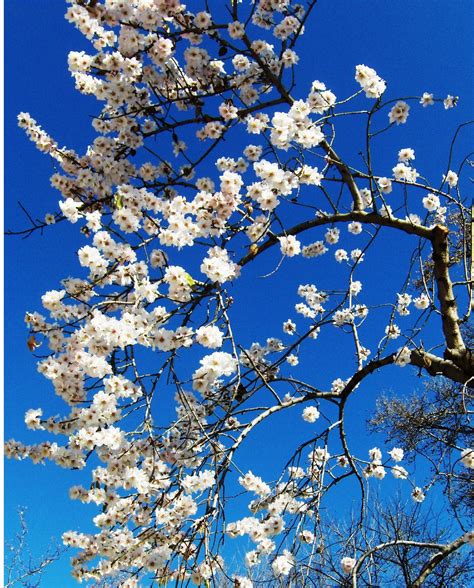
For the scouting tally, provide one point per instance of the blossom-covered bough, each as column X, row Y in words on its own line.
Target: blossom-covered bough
column 206, row 159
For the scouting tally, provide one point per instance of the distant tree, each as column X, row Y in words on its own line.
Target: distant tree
column 436, row 425
column 205, row 164
column 21, row 567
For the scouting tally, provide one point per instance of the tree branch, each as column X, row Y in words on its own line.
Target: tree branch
column 437, row 558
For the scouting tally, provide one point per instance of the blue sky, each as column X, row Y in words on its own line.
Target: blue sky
column 413, row 45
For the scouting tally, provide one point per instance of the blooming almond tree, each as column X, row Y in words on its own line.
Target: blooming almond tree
column 208, row 171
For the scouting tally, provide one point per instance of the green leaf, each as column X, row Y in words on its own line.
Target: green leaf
column 190, row 280
column 118, row 201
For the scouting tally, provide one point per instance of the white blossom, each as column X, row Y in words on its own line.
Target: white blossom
column 347, row 564
column 310, row 414
column 467, row 458
column 283, row 564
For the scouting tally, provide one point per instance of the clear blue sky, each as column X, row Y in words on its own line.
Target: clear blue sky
column 416, row 46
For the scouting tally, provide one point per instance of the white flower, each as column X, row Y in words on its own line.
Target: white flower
column 347, row 564
column 94, row 221
column 218, row 267
column 417, row 494
column 219, row 362
column 375, row 455
column 213, row 366
column 309, row 175
column 357, row 255
column 314, row 249
column 209, row 336
column 252, row 558
column 32, row 419
column 392, row 331
column 431, row 202
column 309, row 136
column 450, row 101
column 289, row 58
column 126, row 219
column 354, row 227
column 369, row 81
column 318, row 456
column 255, row 484
column 421, row 302
column 342, row 461
column 289, row 246
column 299, row 110
column 341, row 255
column 292, row 359
column 379, row 472
column 403, row 357
column 452, row 179
column 283, row 564
column 202, row 20
column 396, row 454
column 255, row 125
column 51, row 300
column 320, row 99
column 242, row 582
column 469, row 537
column 414, row 219
column 338, row 386
column 90, row 257
column 403, row 302
column 332, row 235
column 310, row 414
column 399, row 113
column 111, row 437
column 426, row 99
column 306, row 536
column 467, row 458
column 228, row 111
column 385, row 185
column 289, row 327
column 236, row 30
column 70, row 208
column 158, row 258
column 179, row 283
column 253, row 152
column 366, row 196
column 399, row 473
column 404, row 172
column 406, row 154
column 355, row 287
column 198, row 482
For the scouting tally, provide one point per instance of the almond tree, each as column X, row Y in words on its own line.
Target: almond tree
column 206, row 164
